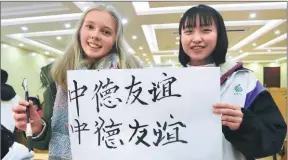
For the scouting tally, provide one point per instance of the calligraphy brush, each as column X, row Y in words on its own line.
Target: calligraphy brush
column 28, row 128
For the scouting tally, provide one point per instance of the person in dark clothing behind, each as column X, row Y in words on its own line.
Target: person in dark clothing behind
column 8, row 100
column 36, row 104
column 10, row 150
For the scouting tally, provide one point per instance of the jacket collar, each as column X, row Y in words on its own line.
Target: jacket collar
column 228, row 69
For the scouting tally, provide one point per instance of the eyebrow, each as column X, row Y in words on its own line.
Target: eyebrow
column 94, row 23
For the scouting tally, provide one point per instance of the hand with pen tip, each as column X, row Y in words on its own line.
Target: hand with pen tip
column 20, row 117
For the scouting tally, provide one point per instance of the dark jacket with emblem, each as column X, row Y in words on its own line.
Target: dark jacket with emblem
column 263, row 129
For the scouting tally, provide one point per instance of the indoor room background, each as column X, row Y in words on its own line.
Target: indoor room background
column 34, row 34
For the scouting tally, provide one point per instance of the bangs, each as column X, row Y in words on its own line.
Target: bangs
column 189, row 19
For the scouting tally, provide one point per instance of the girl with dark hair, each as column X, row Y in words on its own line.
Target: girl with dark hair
column 252, row 124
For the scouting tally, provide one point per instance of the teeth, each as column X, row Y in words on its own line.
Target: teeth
column 93, row 45
column 197, row 47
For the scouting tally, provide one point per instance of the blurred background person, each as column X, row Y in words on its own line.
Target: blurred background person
column 10, row 150
column 36, row 104
column 8, row 100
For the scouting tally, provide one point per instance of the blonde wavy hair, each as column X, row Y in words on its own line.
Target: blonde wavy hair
column 71, row 59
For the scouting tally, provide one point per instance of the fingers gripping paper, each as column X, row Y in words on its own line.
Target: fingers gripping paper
column 145, row 114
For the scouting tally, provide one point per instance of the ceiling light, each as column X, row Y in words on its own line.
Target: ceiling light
column 124, row 21
column 277, row 32
column 33, row 54
column 149, row 62
column 21, row 44
column 254, row 44
column 47, row 53
column 269, row 50
column 130, row 50
column 177, row 38
column 144, row 54
column 51, row 59
column 4, row 45
column 67, row 25
column 175, row 53
column 58, row 37
column 241, row 51
column 19, row 35
column 147, row 59
column 177, row 43
column 134, row 37
column 24, row 28
column 141, row 48
column 252, row 15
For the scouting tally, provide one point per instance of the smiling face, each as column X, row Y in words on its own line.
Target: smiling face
column 98, row 33
column 199, row 41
